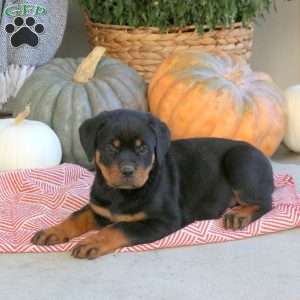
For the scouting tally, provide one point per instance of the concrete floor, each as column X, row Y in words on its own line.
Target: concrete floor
column 260, row 268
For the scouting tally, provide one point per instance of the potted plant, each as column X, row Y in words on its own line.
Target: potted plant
column 142, row 33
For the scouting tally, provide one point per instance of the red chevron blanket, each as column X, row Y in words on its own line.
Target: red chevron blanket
column 33, row 199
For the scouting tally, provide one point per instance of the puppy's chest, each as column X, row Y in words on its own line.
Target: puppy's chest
column 118, row 210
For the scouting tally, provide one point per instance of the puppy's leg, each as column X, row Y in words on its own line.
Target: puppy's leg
column 75, row 225
column 242, row 215
column 119, row 235
column 250, row 175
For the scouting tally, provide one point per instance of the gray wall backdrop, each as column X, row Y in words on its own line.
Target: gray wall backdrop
column 276, row 41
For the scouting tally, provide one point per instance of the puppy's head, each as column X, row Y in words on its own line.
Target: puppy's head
column 125, row 145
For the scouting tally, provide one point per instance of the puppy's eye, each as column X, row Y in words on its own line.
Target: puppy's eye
column 141, row 149
column 111, row 148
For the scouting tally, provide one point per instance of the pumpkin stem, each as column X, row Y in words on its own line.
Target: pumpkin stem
column 87, row 68
column 22, row 115
column 235, row 76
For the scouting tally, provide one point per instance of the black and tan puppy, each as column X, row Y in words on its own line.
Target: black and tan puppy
column 147, row 187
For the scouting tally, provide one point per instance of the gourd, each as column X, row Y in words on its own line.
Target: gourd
column 292, row 133
column 200, row 94
column 27, row 144
column 67, row 91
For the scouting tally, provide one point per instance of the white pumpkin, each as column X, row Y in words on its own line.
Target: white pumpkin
column 27, row 144
column 292, row 132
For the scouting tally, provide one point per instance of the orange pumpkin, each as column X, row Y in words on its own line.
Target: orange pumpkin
column 201, row 94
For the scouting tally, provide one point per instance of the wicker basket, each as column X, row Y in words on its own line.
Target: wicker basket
column 145, row 48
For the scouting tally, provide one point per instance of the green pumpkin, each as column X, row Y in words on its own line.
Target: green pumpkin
column 68, row 91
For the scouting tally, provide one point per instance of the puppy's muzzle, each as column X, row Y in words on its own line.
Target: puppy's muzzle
column 127, row 170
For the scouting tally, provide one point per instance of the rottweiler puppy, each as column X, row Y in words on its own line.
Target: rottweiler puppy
column 147, row 187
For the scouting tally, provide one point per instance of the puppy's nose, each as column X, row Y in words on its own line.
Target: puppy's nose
column 127, row 170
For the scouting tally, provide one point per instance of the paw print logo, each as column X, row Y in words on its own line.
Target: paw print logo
column 24, row 32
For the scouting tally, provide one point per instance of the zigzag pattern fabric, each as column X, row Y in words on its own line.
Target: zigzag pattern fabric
column 34, row 199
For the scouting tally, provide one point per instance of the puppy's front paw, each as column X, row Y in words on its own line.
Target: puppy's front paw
column 234, row 221
column 87, row 250
column 105, row 241
column 241, row 216
column 49, row 237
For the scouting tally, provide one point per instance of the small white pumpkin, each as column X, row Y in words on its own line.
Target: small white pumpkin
column 292, row 132
column 27, row 144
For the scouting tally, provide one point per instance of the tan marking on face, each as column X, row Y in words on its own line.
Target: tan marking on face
column 138, row 143
column 111, row 174
column 114, row 177
column 116, row 143
column 142, row 174
column 116, row 218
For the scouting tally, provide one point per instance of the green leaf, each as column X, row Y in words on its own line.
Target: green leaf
column 170, row 13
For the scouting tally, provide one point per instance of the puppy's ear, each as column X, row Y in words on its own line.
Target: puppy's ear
column 88, row 132
column 163, row 138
